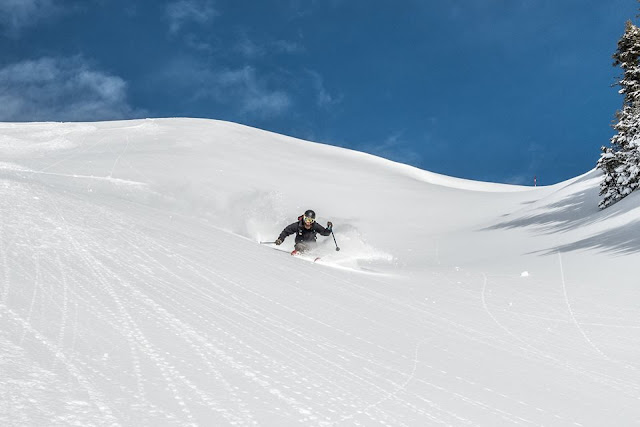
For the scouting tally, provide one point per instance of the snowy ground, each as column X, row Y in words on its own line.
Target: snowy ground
column 134, row 292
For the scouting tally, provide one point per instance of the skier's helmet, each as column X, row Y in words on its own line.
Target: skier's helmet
column 309, row 216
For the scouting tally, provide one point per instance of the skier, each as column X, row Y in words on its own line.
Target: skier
column 305, row 229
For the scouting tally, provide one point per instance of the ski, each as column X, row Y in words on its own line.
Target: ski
column 298, row 253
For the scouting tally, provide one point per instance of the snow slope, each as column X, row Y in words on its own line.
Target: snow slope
column 134, row 292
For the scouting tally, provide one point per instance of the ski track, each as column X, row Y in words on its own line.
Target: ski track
column 629, row 388
column 253, row 360
column 579, row 326
column 525, row 342
column 609, row 381
column 133, row 334
column 352, row 355
column 499, row 413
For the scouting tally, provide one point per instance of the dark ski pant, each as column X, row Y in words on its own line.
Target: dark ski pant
column 303, row 246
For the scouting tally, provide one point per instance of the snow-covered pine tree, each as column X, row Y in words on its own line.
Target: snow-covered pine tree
column 621, row 161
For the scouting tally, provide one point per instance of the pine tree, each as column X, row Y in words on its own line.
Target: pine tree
column 621, row 161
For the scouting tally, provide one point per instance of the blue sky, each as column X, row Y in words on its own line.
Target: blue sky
column 495, row 90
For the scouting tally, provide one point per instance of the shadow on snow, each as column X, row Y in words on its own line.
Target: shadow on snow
column 580, row 210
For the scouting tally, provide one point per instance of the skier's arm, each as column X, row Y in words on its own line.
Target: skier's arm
column 320, row 229
column 288, row 230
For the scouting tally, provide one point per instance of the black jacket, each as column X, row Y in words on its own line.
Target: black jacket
column 302, row 234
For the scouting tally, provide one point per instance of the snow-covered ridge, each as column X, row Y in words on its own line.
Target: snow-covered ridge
column 133, row 289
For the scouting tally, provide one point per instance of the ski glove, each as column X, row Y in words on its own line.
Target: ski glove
column 278, row 242
column 329, row 225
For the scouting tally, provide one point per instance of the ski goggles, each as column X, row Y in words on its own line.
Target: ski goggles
column 309, row 220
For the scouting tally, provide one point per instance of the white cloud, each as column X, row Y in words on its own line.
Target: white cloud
column 242, row 89
column 248, row 48
column 268, row 104
column 323, row 98
column 66, row 89
column 245, row 87
column 16, row 15
column 395, row 148
column 251, row 49
column 184, row 12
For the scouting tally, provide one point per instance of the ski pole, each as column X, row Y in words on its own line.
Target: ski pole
column 267, row 243
column 334, row 240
